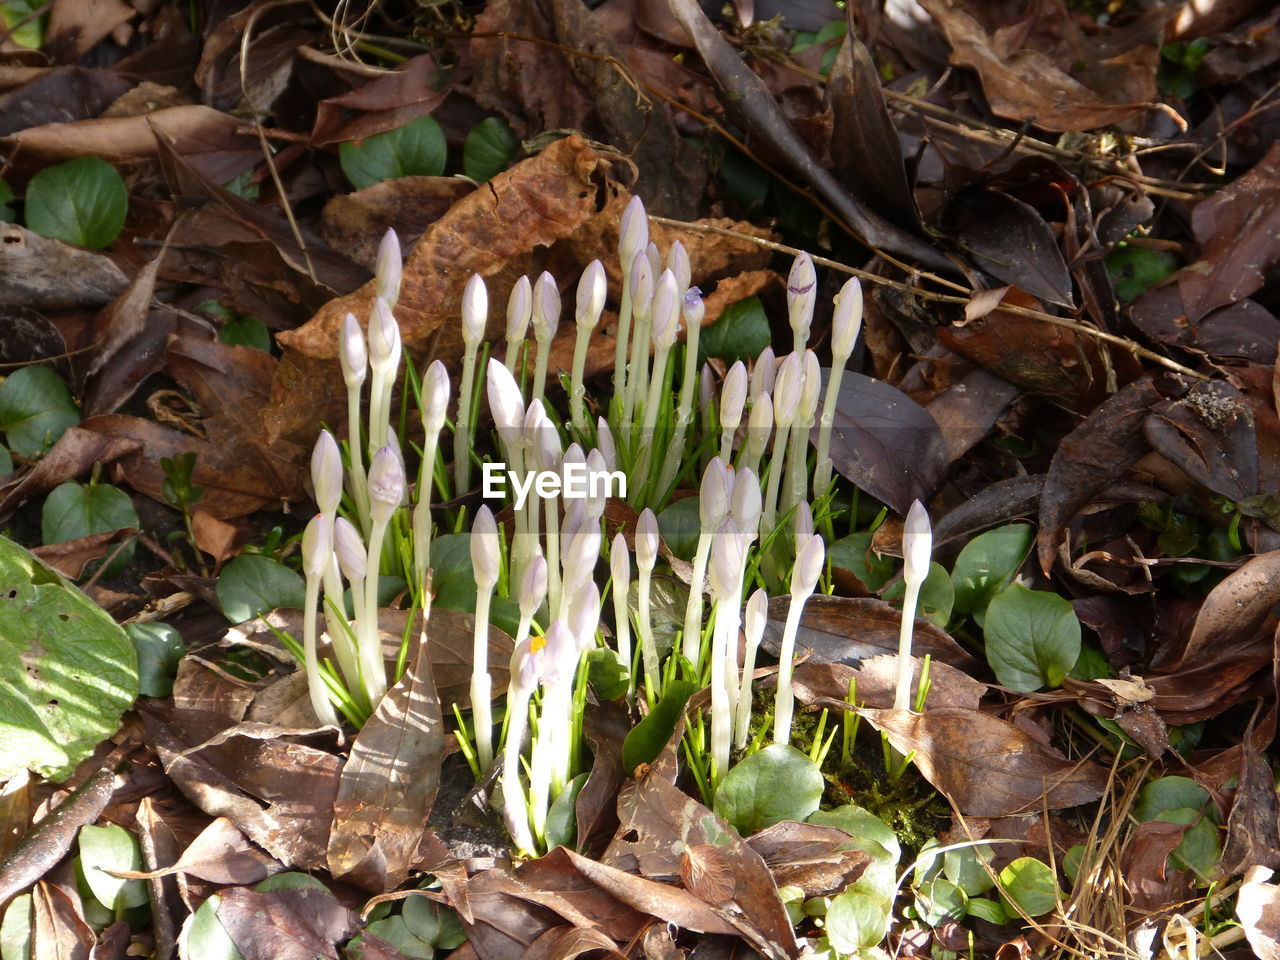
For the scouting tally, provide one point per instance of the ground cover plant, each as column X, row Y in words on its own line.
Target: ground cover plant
column 539, row 480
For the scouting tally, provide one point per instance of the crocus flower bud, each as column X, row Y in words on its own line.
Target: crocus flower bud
column 317, row 546
column 475, row 310
column 533, row 586
column 715, row 494
column 519, row 309
column 506, row 403
column 384, row 337
column 646, row 540
column 665, row 312
column 528, row 661
column 810, row 386
column 693, row 308
column 561, row 654
column 757, row 615
column 759, row 426
column 351, row 353
column 746, row 503
column 678, row 264
column 352, row 557
column 386, row 484
column 802, row 293
column 733, row 397
column 655, row 259
column 435, row 397
column 917, row 544
column 604, row 443
column 808, row 568
column 598, row 484
column 583, row 611
column 803, row 525
column 484, row 549
column 641, row 284
column 727, row 561
column 548, row 451
column 787, row 388
column 847, row 321
column 326, row 473
column 620, row 563
column 763, row 373
column 386, row 274
column 592, row 290
column 633, row 236
column 546, row 308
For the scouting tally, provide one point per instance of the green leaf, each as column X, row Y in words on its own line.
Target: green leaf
column 1135, row 270
column 31, row 33
column 415, row 150
column 1169, row 793
column 292, row 880
column 159, row 648
column 966, row 868
column 650, row 735
column 679, row 525
column 67, row 670
column 774, row 784
column 15, row 930
column 987, row 910
column 940, row 900
column 72, row 511
column 246, row 331
column 854, row 553
column 243, row 186
column 204, row 937
column 489, row 147
column 1033, row 638
column 82, row 201
column 6, row 194
column 112, row 848
column 606, row 673
column 874, row 837
column 396, row 932
column 936, row 595
column 1199, row 849
column 250, row 586
column 987, row 563
column 35, row 410
column 432, row 923
column 855, row 922
column 740, row 333
column 562, row 820
column 6, row 462
column 1030, row 884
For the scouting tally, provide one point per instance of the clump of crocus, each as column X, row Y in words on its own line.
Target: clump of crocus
column 475, row 316
column 485, row 558
column 917, row 546
column 844, row 334
column 804, row 578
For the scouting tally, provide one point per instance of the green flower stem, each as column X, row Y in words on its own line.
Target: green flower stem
column 577, row 390
column 462, row 431
column 375, row 682
column 692, row 646
column 823, row 467
column 311, row 663
column 782, row 434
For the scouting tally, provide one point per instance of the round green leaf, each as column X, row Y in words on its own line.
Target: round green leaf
column 854, row 553
column 72, row 511
column 35, row 410
column 936, row 595
column 204, row 937
column 1030, row 884
column 106, row 849
column 607, row 674
column 250, row 586
column 740, row 333
column 1169, row 793
column 1033, row 638
column 415, row 150
column 987, row 563
column 159, row 648
column 291, row 880
column 489, row 147
column 6, row 462
column 773, row 784
column 966, row 868
column 855, row 922
column 15, row 930
column 874, row 837
column 396, row 932
column 680, row 526
column 988, row 910
column 1199, row 849
column 82, row 201
column 67, row 670
column 940, row 900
